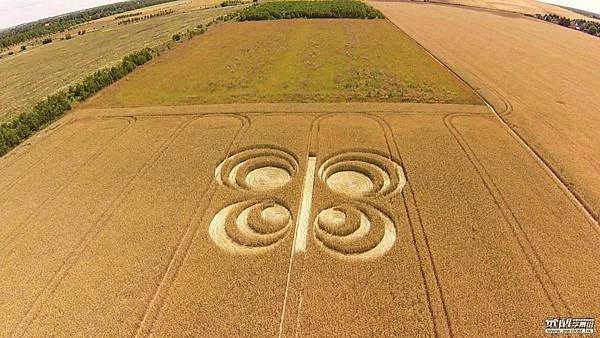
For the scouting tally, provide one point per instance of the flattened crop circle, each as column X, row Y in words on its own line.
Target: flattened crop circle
column 267, row 178
column 350, row 182
column 250, row 227
column 258, row 169
column 355, row 231
column 362, row 174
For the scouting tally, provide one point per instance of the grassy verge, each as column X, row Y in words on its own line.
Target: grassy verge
column 310, row 10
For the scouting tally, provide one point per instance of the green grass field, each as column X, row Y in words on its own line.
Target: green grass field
column 29, row 77
column 291, row 61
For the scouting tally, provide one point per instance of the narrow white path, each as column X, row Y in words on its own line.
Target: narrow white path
column 301, row 233
column 305, row 205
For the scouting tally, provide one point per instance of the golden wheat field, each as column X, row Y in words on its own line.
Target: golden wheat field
column 195, row 220
column 520, row 67
column 215, row 193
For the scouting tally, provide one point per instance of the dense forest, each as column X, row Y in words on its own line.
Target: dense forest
column 61, row 23
column 310, row 9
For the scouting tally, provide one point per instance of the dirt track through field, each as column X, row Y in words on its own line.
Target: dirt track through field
column 424, row 220
column 547, row 99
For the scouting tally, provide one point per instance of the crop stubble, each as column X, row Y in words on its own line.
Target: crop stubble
column 124, row 246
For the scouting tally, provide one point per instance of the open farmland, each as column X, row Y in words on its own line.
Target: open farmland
column 193, row 214
column 518, row 6
column 310, row 178
column 31, row 76
column 291, row 61
column 520, row 67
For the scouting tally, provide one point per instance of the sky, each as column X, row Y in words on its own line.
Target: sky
column 588, row 5
column 15, row 12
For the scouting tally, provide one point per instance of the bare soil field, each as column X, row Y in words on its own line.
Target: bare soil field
column 30, row 76
column 261, row 220
column 520, row 67
column 291, row 61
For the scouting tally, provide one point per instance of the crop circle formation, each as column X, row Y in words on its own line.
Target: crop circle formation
column 250, row 227
column 362, row 174
column 257, row 169
column 355, row 230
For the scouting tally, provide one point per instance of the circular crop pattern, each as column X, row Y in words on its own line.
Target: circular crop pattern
column 250, row 227
column 362, row 174
column 257, row 169
column 355, row 231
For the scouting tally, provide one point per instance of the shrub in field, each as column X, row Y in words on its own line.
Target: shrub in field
column 309, row 10
column 46, row 41
column 16, row 131
column 228, row 3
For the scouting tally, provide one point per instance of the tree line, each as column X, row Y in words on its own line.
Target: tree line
column 61, row 23
column 125, row 16
column 145, row 17
column 589, row 27
column 14, row 132
column 309, row 10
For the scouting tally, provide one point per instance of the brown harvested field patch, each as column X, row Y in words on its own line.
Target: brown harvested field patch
column 438, row 222
column 291, row 61
column 549, row 100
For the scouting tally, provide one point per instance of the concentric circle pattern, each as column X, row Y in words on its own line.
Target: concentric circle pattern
column 250, row 227
column 355, row 231
column 257, row 169
column 362, row 174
